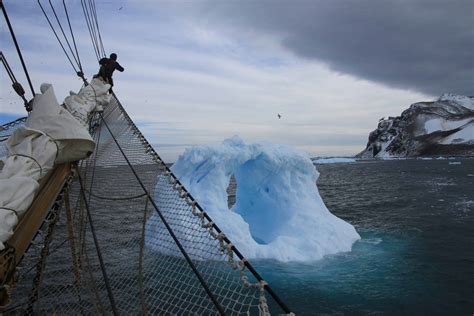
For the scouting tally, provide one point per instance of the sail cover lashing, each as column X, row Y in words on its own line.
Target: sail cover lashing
column 95, row 254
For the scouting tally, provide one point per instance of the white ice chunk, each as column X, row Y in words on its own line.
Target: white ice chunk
column 321, row 161
column 278, row 214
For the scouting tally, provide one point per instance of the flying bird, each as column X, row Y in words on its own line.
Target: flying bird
column 279, row 116
column 120, row 8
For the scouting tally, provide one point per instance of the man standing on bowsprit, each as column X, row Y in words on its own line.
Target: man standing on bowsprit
column 107, row 68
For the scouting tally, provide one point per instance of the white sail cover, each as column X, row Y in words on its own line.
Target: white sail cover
column 52, row 134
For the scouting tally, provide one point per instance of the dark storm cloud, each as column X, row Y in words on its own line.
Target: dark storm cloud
column 426, row 46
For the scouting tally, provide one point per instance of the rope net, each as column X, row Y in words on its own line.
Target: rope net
column 124, row 257
column 5, row 131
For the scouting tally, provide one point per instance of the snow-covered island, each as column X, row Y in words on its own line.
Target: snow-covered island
column 443, row 127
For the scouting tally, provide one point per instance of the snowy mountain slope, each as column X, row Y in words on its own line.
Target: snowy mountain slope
column 443, row 127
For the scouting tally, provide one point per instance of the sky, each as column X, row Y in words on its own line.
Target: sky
column 198, row 72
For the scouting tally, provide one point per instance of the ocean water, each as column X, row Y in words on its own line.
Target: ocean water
column 416, row 255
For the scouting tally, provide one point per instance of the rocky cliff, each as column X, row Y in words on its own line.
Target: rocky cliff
column 442, row 127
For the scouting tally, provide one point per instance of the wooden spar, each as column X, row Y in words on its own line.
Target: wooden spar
column 30, row 223
column 26, row 229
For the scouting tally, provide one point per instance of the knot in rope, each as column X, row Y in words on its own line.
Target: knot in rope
column 80, row 74
column 221, row 236
column 188, row 200
column 207, row 225
column 182, row 192
column 172, row 181
column 177, row 186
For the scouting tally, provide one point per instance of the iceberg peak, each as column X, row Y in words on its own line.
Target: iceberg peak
column 278, row 213
column 234, row 141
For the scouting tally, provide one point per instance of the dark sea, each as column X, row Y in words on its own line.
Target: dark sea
column 416, row 255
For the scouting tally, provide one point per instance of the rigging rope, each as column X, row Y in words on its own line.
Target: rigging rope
column 140, row 261
column 15, row 84
column 51, row 220
column 72, row 35
column 115, row 198
column 57, row 37
column 17, row 47
column 92, row 2
column 75, row 53
column 144, row 279
column 89, row 27
column 96, row 243
column 93, row 27
column 90, row 14
column 64, row 34
column 7, row 67
column 167, row 225
column 190, row 199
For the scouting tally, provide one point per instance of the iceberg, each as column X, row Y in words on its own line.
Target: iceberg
column 278, row 213
column 323, row 161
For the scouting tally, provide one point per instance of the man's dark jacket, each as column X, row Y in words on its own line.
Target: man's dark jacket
column 108, row 66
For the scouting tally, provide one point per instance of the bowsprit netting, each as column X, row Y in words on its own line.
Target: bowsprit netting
column 5, row 131
column 124, row 237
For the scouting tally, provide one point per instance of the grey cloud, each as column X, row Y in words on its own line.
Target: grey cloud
column 421, row 45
